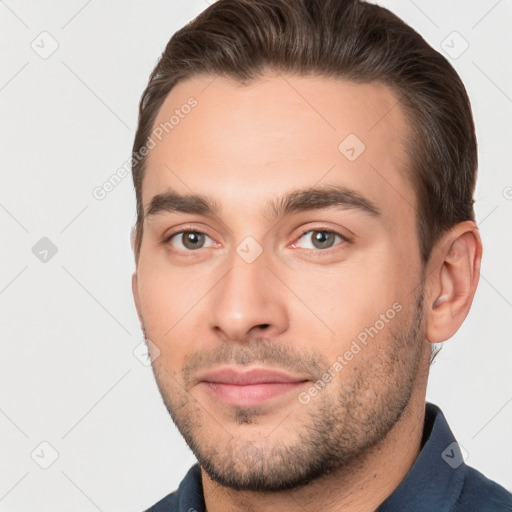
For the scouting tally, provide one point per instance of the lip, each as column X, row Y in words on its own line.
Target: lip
column 249, row 387
column 230, row 375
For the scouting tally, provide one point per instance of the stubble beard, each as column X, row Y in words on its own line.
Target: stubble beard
column 334, row 430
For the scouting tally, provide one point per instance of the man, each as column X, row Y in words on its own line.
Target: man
column 304, row 173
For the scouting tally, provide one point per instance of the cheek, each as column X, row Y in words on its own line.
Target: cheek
column 338, row 304
column 343, row 295
column 172, row 309
column 164, row 299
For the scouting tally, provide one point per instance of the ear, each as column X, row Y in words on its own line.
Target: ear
column 135, row 287
column 132, row 238
column 135, row 292
column 453, row 273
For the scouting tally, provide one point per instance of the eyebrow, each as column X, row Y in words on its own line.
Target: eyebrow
column 296, row 201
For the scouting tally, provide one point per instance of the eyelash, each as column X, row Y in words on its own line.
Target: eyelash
column 192, row 253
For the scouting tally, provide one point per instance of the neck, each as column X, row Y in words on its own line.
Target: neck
column 359, row 487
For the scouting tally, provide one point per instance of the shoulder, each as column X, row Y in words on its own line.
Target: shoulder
column 167, row 504
column 187, row 498
column 480, row 494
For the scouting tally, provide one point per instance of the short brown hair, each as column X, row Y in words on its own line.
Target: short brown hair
column 341, row 39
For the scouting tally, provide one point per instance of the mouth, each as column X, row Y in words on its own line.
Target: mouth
column 250, row 387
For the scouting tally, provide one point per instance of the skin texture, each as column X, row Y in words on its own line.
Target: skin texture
column 298, row 306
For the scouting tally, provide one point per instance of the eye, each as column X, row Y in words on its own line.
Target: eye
column 190, row 240
column 319, row 239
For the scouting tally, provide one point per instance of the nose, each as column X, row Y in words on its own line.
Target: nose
column 248, row 301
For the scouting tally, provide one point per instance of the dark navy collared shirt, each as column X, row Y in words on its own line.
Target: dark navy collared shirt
column 439, row 480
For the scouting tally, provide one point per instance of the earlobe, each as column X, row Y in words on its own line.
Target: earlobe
column 453, row 280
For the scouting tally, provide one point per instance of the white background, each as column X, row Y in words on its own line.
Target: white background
column 68, row 375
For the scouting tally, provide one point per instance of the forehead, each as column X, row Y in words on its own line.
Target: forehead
column 219, row 137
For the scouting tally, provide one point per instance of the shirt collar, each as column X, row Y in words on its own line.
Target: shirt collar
column 436, row 478
column 190, row 492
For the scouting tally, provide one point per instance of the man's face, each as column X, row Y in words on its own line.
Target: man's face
column 289, row 337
